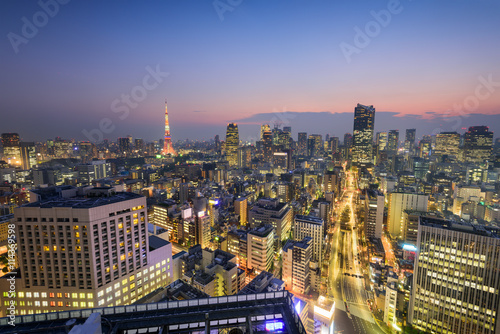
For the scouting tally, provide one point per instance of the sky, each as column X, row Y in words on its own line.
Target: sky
column 89, row 70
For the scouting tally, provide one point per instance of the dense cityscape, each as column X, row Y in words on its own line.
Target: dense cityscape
column 250, row 167
column 370, row 234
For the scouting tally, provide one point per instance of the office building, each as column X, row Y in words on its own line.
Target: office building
column 267, row 146
column 381, row 141
column 238, row 246
column 232, row 143
column 302, row 143
column 296, row 261
column 364, row 123
column 392, row 142
column 11, row 148
column 313, row 227
column 455, row 281
column 241, row 209
column 244, row 156
column 478, row 144
column 399, row 201
column 263, row 129
column 447, row 143
column 124, row 146
column 410, row 140
column 272, row 212
column 374, row 213
column 97, row 169
column 88, row 250
column 28, row 155
column 260, row 242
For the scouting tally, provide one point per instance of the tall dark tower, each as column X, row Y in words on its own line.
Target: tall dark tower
column 364, row 122
column 232, row 142
column 167, row 143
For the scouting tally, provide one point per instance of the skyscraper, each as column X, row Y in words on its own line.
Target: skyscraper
column 267, row 146
column 232, row 142
column 302, row 143
column 124, row 146
column 86, row 251
column 28, row 155
column 364, row 122
column 455, row 280
column 478, row 144
column 11, row 149
column 167, row 143
column 296, row 260
column 313, row 227
column 264, row 128
column 393, row 142
column 381, row 141
column 410, row 140
column 447, row 143
column 400, row 201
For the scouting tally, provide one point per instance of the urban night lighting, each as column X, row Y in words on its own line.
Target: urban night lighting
column 334, row 168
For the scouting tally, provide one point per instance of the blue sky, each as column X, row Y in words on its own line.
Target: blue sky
column 263, row 57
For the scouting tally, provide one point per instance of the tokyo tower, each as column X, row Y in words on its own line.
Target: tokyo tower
column 167, row 143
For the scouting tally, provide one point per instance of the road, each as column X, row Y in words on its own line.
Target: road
column 352, row 314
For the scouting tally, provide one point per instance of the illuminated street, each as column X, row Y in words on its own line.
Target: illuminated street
column 352, row 312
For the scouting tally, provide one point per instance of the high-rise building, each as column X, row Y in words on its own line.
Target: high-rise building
column 302, row 143
column 241, row 209
column 244, row 156
column 399, row 201
column 392, row 142
column 124, row 146
column 425, row 147
column 94, row 170
column 381, row 141
column 238, row 246
column 267, row 146
column 334, row 145
column 315, row 145
column 364, row 122
column 296, row 261
column 11, row 148
column 410, row 140
column 28, row 155
column 374, row 213
column 232, row 143
column 264, row 128
column 82, row 252
column 348, row 141
column 260, row 242
column 455, row 280
column 314, row 227
column 447, row 143
column 272, row 212
column 167, row 139
column 478, row 144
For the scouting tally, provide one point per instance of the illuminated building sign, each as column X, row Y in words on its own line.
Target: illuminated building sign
column 274, row 326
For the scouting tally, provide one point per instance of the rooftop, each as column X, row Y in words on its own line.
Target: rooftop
column 464, row 227
column 309, row 219
column 81, row 202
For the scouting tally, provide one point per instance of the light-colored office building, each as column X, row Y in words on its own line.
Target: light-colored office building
column 296, row 261
column 260, row 242
column 456, row 278
column 313, row 227
column 374, row 213
column 86, row 251
column 400, row 201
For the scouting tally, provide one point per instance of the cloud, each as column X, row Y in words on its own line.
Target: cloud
column 199, row 111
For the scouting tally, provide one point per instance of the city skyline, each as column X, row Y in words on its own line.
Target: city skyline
column 206, row 68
